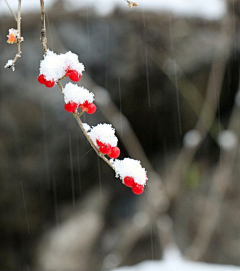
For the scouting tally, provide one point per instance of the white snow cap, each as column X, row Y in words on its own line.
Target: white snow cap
column 105, row 133
column 13, row 31
column 76, row 94
column 54, row 66
column 130, row 167
column 72, row 62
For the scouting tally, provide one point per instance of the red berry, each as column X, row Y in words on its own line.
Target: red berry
column 91, row 108
column 71, row 107
column 75, row 76
column 68, row 72
column 128, row 181
column 137, row 188
column 49, row 84
column 105, row 148
column 115, row 152
column 99, row 143
column 41, row 79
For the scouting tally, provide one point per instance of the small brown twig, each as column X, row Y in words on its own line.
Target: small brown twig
column 75, row 115
column 19, row 38
column 43, row 37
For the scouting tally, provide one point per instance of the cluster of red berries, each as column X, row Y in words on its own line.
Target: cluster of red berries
column 136, row 188
column 90, row 108
column 48, row 83
column 112, row 152
column 73, row 75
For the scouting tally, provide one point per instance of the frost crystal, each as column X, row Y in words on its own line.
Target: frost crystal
column 104, row 133
column 76, row 94
column 130, row 167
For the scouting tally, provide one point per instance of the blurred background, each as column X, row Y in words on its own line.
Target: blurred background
column 166, row 75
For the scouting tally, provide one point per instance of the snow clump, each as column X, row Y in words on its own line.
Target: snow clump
column 104, row 133
column 130, row 167
column 76, row 94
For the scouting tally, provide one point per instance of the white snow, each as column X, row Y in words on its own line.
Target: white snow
column 210, row 10
column 76, row 94
column 192, row 138
column 130, row 167
column 105, row 133
column 54, row 66
column 227, row 140
column 9, row 63
column 86, row 127
column 173, row 261
column 71, row 61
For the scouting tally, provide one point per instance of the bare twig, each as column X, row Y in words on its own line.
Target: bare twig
column 19, row 38
column 13, row 13
column 43, row 37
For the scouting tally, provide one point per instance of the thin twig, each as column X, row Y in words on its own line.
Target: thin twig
column 13, row 13
column 19, row 38
column 43, row 37
column 76, row 115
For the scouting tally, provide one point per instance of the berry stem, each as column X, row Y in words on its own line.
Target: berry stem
column 76, row 116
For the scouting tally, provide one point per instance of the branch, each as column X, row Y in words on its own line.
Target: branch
column 11, row 63
column 13, row 13
column 75, row 115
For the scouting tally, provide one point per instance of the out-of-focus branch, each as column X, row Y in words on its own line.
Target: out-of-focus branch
column 206, row 115
column 13, row 13
column 221, row 181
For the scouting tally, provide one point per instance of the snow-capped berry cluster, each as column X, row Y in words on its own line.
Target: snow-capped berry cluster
column 54, row 67
column 75, row 96
column 13, row 36
column 103, row 136
column 131, row 173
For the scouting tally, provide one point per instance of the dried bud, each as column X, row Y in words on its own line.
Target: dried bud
column 135, row 4
column 130, row 5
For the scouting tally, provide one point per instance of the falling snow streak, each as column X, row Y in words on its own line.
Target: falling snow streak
column 217, row 106
column 88, row 31
column 152, row 250
column 71, row 169
column 99, row 177
column 177, row 95
column 144, row 21
column 147, row 75
column 234, row 30
column 79, row 169
column 107, row 57
column 46, row 155
column 120, row 100
column 19, row 156
column 170, row 31
column 55, row 200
